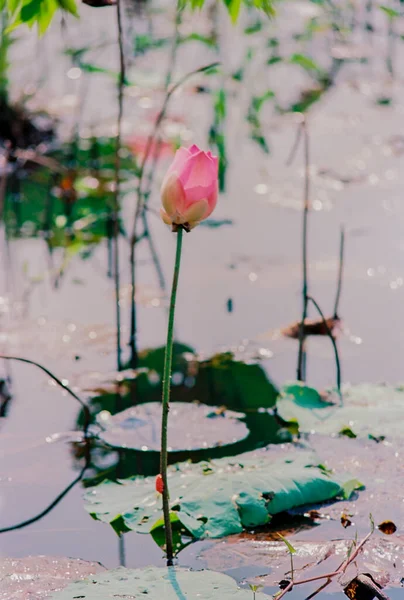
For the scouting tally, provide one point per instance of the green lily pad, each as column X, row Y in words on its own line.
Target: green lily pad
column 216, row 499
column 190, row 427
column 155, row 583
column 305, row 396
column 374, row 410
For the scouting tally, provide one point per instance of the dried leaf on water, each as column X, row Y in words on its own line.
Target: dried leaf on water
column 311, row 327
column 345, row 520
column 364, row 587
column 387, row 527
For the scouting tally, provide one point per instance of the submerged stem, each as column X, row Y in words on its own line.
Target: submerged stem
column 340, row 272
column 116, row 204
column 301, row 371
column 166, row 400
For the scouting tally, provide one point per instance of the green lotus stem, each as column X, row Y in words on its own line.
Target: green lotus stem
column 168, row 359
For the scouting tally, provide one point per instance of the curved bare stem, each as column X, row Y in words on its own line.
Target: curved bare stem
column 86, row 411
column 333, row 341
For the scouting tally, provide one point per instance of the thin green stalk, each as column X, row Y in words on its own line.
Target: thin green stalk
column 166, row 401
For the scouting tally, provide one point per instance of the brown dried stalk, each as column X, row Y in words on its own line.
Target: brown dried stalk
column 341, row 569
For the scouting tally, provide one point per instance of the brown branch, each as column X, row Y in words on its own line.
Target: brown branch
column 329, row 576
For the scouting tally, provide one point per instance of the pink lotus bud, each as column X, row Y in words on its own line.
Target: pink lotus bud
column 190, row 188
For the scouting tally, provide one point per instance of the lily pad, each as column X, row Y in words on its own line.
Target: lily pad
column 36, row 577
column 190, row 427
column 156, row 583
column 305, row 396
column 363, row 412
column 216, row 499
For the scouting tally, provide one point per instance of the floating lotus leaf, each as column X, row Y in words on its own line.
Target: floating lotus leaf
column 212, row 500
column 367, row 410
column 190, row 427
column 156, row 584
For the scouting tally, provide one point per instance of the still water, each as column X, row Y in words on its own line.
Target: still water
column 254, row 261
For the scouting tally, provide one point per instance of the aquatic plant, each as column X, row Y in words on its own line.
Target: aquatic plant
column 189, row 195
column 42, row 12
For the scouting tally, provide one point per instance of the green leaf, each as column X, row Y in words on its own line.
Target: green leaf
column 390, row 12
column 305, row 62
column 47, row 11
column 261, row 141
column 303, row 395
column 235, row 494
column 253, row 118
column 91, row 68
column 181, row 538
column 220, row 105
column 289, row 546
column 363, row 412
column 12, row 6
column 349, row 487
column 217, row 135
column 144, row 43
column 266, row 6
column 69, row 6
column 347, row 431
column 259, row 101
column 197, row 37
column 254, row 28
column 168, row 583
column 233, row 6
column 30, row 10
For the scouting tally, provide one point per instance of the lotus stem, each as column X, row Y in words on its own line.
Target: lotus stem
column 166, row 400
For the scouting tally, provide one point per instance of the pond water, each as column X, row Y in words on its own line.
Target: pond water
column 252, row 260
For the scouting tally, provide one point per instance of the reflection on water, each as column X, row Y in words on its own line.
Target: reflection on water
column 242, row 274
